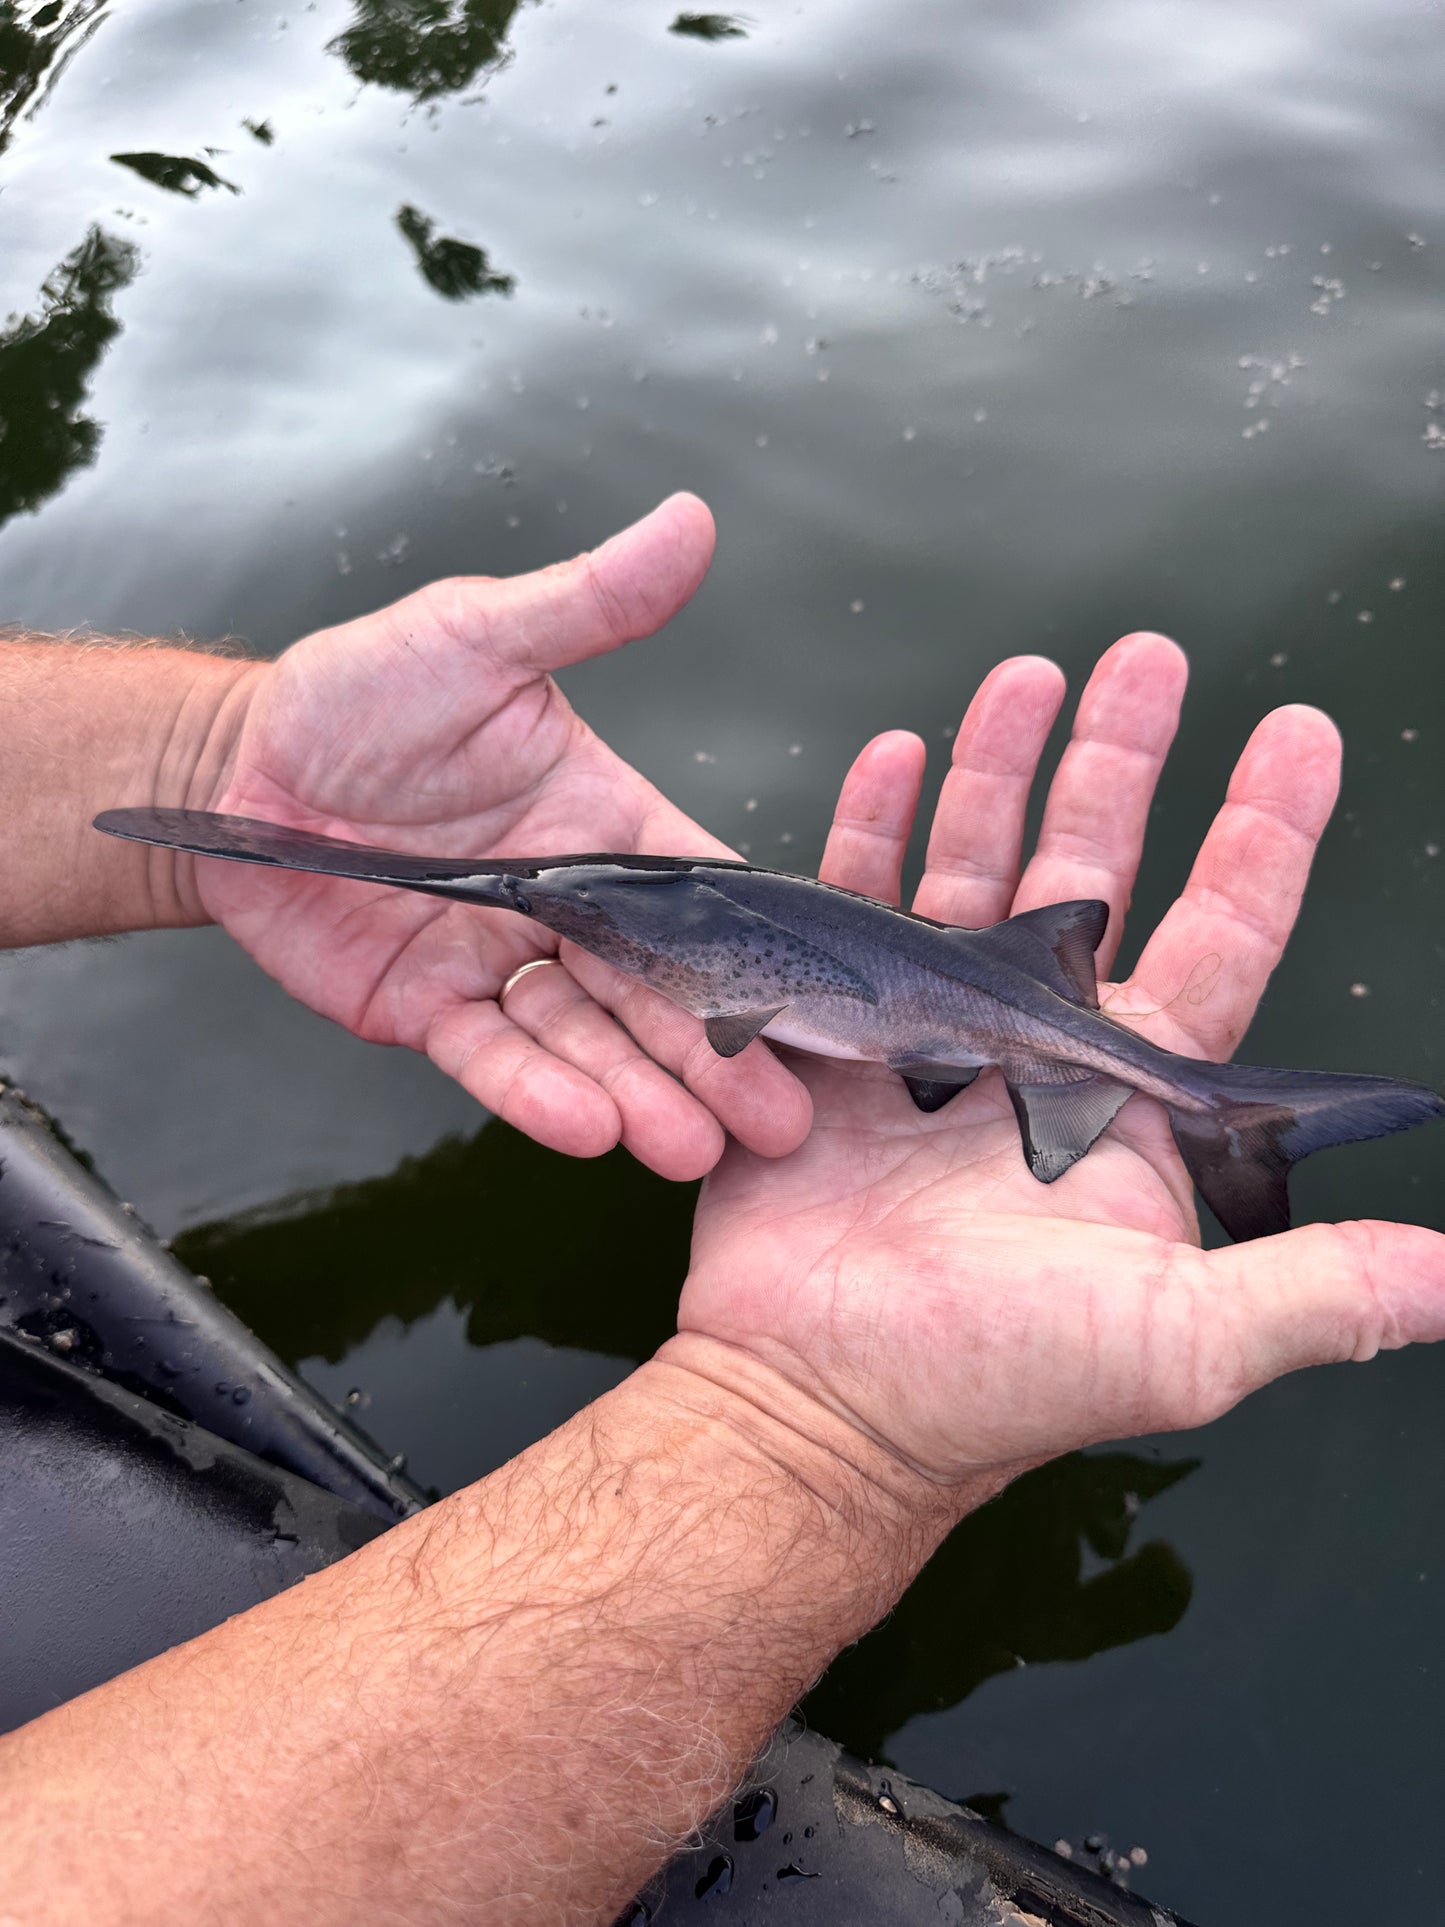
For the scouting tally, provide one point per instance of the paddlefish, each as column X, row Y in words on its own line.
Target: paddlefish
column 756, row 952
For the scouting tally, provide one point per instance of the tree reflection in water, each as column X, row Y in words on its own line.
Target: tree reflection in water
column 177, row 173
column 35, row 51
column 710, row 26
column 46, row 363
column 1043, row 1572
column 425, row 48
column 455, row 269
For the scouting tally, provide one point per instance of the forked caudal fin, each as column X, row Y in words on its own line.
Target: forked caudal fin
column 1239, row 1152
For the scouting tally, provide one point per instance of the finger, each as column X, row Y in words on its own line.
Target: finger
column 1321, row 1295
column 1206, row 966
column 874, row 818
column 753, row 1095
column 628, row 588
column 519, row 1081
column 976, row 844
column 662, row 1124
column 1098, row 803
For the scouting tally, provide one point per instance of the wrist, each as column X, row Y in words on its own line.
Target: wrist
column 192, row 767
column 893, row 1514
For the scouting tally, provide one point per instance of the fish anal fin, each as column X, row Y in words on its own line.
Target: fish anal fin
column 1055, row 944
column 1060, row 1116
column 733, row 1033
column 932, row 1093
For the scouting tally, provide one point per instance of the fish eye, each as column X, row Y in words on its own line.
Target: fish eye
column 514, row 891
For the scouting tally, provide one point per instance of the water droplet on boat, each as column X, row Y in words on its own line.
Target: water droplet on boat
column 1397, row 582
column 1409, row 735
column 1278, row 659
column 1359, row 990
column 1365, row 615
column 754, row 1813
column 856, row 605
column 717, row 1880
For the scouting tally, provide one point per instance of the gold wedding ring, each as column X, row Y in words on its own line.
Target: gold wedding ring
column 537, row 963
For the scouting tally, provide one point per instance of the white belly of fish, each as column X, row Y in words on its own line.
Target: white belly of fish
column 794, row 1026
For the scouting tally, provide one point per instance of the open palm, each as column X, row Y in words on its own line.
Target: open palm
column 435, row 726
column 906, row 1269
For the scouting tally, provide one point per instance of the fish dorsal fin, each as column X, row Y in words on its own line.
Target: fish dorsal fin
column 728, row 1035
column 1061, row 1110
column 1055, row 944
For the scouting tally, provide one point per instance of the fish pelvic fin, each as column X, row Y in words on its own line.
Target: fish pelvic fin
column 1062, row 1110
column 931, row 1093
column 730, row 1034
column 1055, row 944
column 1261, row 1122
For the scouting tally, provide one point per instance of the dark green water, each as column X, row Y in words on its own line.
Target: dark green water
column 968, row 322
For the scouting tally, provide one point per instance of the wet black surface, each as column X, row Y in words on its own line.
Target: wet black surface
column 969, row 327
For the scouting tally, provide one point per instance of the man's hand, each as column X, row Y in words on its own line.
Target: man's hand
column 435, row 726
column 907, row 1272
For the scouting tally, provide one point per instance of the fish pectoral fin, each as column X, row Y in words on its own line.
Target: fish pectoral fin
column 1061, row 1114
column 932, row 1093
column 1055, row 944
column 728, row 1035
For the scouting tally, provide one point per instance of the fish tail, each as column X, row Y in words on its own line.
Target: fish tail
column 1261, row 1122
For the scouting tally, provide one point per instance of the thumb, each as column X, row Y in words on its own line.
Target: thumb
column 1326, row 1294
column 628, row 588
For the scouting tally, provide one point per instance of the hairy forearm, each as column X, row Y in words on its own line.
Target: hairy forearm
column 505, row 1710
column 93, row 726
